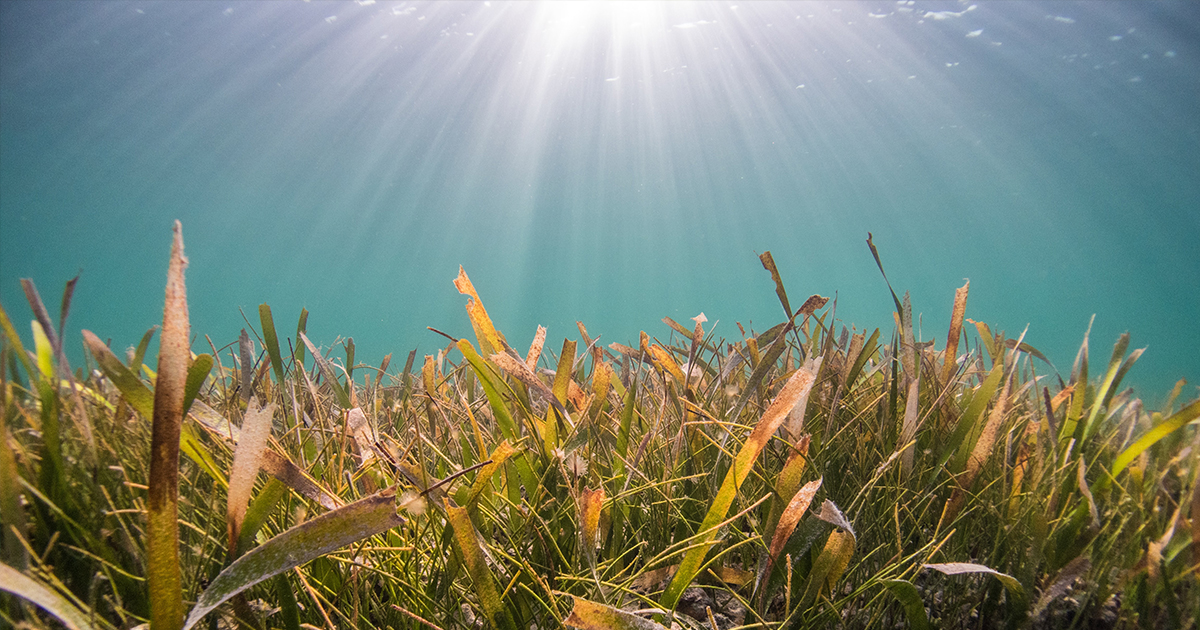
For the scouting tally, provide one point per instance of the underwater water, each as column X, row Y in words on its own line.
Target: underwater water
column 612, row 163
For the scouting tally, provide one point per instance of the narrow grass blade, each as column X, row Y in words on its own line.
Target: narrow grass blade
column 794, row 392
column 247, row 458
column 67, row 293
column 349, row 524
column 957, row 568
column 271, row 340
column 910, row 599
column 21, row 585
column 476, row 565
column 588, row 615
column 162, row 526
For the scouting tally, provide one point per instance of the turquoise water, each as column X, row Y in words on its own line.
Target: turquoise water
column 608, row 162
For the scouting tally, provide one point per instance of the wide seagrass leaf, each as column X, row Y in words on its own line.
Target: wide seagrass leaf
column 950, row 356
column 522, row 372
column 475, row 562
column 910, row 599
column 765, row 365
column 271, row 340
column 348, row 524
column 1108, row 386
column 197, row 373
column 787, row 524
column 12, row 514
column 795, row 391
column 535, row 348
column 15, row 340
column 247, row 457
column 131, row 387
column 327, row 371
column 768, row 263
column 492, row 386
column 1160, row 431
column 162, row 526
column 273, row 463
column 490, row 339
column 21, row 585
column 590, row 504
column 592, row 616
column 829, row 566
column 1062, row 582
column 956, row 568
column 980, row 454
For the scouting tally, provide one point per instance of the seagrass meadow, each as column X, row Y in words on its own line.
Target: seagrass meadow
column 803, row 476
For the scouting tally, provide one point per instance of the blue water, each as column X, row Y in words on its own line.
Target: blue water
column 608, row 162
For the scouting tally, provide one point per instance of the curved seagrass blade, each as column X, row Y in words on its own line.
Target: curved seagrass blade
column 19, row 584
column 348, row 524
